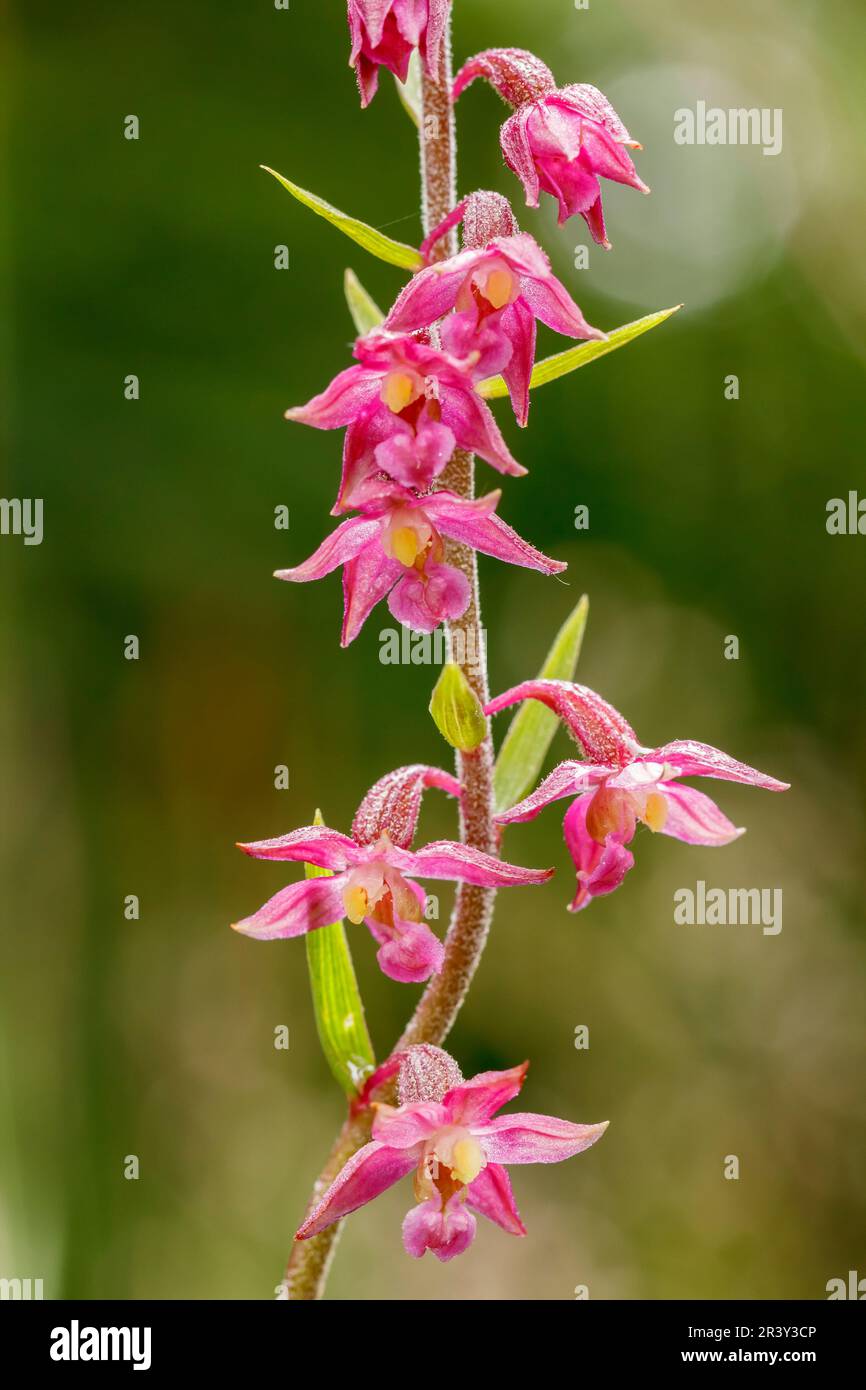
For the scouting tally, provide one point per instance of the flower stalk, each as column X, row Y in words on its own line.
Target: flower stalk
column 310, row 1260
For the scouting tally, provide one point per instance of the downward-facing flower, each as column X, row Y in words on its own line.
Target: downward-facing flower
column 395, row 549
column 372, row 874
column 621, row 784
column 454, row 1142
column 497, row 291
column 406, row 407
column 559, row 140
column 386, row 32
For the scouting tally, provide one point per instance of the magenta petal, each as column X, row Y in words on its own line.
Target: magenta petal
column 368, row 1173
column 393, row 804
column 411, row 954
column 477, row 1101
column 446, row 1232
column 450, row 860
column 550, row 301
column 473, row 426
column 423, row 600
column 569, row 779
column 491, row 1196
column 431, row 39
column 601, row 731
column 312, row 844
column 536, row 1138
column 341, row 401
column 695, row 818
column 431, row 293
column 475, row 523
column 408, row 1125
column 339, row 548
column 692, row 759
column 366, row 581
column 600, row 868
column 588, row 101
column 517, row 152
column 518, row 324
column 302, row 907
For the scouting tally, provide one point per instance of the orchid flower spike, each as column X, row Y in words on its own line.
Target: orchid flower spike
column 385, row 33
column 407, row 407
column 559, row 140
column 396, row 549
column 372, row 872
column 446, row 1131
column 622, row 783
column 498, row 286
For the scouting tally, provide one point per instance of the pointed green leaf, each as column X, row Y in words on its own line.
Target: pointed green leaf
column 409, row 91
column 366, row 314
column 533, row 726
column 394, row 252
column 564, row 362
column 339, row 1011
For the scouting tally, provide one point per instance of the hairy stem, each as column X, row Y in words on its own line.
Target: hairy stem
column 440, row 1003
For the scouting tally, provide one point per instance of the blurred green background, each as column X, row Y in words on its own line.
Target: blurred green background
column 707, row 518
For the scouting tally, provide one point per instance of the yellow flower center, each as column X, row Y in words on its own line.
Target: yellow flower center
column 656, row 812
column 405, row 545
column 499, row 288
column 399, row 390
column 467, row 1160
column 356, row 903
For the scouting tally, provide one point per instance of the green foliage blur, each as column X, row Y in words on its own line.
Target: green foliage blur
column 155, row 1037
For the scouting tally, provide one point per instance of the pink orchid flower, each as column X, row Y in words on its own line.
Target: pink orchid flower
column 456, row 1145
column 386, row 32
column 622, row 783
column 497, row 291
column 407, row 407
column 371, row 875
column 396, row 549
column 559, row 140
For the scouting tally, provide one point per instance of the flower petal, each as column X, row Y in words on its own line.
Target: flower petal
column 695, row 818
column 569, row 779
column 366, row 581
column 600, row 868
column 475, row 523
column 550, row 301
column 312, row 844
column 473, row 426
column 423, row 601
column 447, row 859
column 447, row 1232
column 410, row 954
column 341, row 401
column 368, row 1173
column 517, row 152
column 349, row 539
column 477, row 1101
column 527, row 1138
column 518, row 325
column 491, row 1196
column 692, row 759
column 588, row 101
column 403, row 1126
column 431, row 293
column 297, row 909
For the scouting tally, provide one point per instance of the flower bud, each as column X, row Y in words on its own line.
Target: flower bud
column 457, row 711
